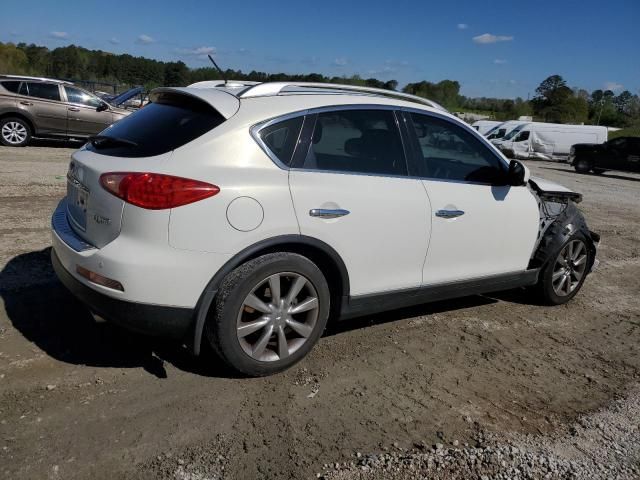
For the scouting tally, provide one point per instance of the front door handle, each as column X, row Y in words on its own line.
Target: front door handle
column 449, row 213
column 74, row 109
column 24, row 102
column 328, row 213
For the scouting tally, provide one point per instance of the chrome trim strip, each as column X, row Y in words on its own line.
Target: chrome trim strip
column 60, row 225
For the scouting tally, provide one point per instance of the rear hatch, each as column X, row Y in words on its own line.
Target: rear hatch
column 141, row 142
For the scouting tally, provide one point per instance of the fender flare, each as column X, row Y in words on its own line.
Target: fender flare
column 262, row 247
column 568, row 222
column 20, row 114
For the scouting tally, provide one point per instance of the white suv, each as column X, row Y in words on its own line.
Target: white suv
column 247, row 215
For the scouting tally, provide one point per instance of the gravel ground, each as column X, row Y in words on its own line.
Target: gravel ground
column 80, row 399
column 604, row 445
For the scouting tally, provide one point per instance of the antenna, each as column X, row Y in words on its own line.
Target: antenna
column 219, row 69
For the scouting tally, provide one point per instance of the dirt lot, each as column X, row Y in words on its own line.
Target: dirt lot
column 80, row 399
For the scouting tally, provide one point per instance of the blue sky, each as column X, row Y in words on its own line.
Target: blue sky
column 502, row 49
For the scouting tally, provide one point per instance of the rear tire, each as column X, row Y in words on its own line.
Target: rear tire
column 14, row 132
column 563, row 275
column 582, row 166
column 269, row 313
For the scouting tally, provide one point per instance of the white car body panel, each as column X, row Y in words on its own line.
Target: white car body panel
column 496, row 234
column 383, row 240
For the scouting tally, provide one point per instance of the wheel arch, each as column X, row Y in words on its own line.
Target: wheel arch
column 21, row 116
column 319, row 252
column 568, row 222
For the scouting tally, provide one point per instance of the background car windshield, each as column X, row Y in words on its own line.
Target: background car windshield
column 513, row 133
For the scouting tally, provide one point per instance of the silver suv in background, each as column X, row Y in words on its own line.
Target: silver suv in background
column 42, row 107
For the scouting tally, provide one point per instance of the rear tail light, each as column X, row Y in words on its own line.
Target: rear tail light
column 156, row 191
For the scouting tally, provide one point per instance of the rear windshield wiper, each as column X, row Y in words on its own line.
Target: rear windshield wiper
column 100, row 141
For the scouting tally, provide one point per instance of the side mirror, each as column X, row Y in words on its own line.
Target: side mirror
column 518, row 174
column 102, row 107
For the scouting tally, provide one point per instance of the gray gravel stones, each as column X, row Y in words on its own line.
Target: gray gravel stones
column 603, row 445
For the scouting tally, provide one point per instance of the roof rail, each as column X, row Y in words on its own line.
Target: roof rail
column 222, row 83
column 276, row 88
column 42, row 79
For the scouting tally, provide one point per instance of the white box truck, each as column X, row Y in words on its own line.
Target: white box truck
column 550, row 141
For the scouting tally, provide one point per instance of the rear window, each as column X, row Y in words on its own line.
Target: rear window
column 171, row 121
column 47, row 91
column 11, row 86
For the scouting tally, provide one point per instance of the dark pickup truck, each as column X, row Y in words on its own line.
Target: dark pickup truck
column 622, row 153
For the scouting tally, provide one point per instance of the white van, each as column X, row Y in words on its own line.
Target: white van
column 550, row 141
column 483, row 126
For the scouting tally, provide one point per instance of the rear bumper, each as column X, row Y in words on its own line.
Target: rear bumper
column 148, row 319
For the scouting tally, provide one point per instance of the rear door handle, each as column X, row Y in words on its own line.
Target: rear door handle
column 449, row 213
column 328, row 213
column 24, row 102
column 74, row 109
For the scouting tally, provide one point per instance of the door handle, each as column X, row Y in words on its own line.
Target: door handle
column 74, row 109
column 449, row 213
column 24, row 102
column 326, row 213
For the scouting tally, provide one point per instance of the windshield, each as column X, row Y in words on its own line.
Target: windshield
column 124, row 96
column 492, row 130
column 513, row 132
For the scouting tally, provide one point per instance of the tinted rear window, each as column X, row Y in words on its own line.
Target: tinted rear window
column 11, row 86
column 172, row 121
column 48, row 91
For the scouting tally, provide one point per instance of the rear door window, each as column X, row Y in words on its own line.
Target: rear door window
column 356, row 141
column 281, row 138
column 47, row 91
column 12, row 86
column 171, row 121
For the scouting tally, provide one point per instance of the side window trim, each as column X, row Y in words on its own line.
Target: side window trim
column 416, row 158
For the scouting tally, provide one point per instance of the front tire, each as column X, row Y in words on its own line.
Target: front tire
column 14, row 132
column 564, row 274
column 269, row 313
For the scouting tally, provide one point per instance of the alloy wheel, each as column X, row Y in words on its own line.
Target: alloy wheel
column 569, row 268
column 14, row 133
column 277, row 316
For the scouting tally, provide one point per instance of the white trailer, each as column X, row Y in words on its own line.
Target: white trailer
column 483, row 126
column 550, row 141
